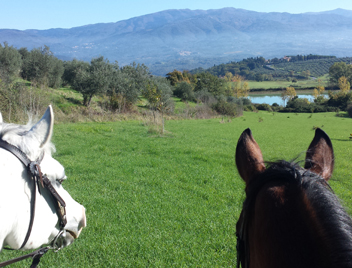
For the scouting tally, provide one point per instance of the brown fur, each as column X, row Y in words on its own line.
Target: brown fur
column 283, row 226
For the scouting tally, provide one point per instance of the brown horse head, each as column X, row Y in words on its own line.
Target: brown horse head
column 291, row 217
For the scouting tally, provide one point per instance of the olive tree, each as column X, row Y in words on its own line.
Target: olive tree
column 10, row 62
column 92, row 79
column 158, row 92
column 41, row 67
column 340, row 69
column 126, row 84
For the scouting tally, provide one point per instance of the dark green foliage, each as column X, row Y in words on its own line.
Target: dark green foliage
column 72, row 68
column 339, row 100
column 98, row 79
column 184, row 91
column 91, row 79
column 263, row 107
column 56, row 73
column 302, row 105
column 320, row 100
column 309, row 57
column 338, row 70
column 349, row 109
column 174, row 77
column 135, row 77
column 41, row 67
column 226, row 108
column 127, row 83
column 239, row 101
column 260, row 70
column 158, row 92
column 299, row 104
column 10, row 62
column 204, row 96
column 210, row 83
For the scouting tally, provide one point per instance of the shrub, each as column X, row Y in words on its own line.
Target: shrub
column 264, row 107
column 205, row 96
column 340, row 100
column 349, row 109
column 225, row 108
column 184, row 91
column 320, row 100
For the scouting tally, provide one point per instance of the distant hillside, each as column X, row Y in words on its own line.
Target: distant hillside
column 187, row 39
column 260, row 69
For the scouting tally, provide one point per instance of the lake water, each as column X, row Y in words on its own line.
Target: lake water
column 276, row 98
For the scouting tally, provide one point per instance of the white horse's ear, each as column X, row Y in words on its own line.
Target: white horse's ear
column 1, row 121
column 43, row 129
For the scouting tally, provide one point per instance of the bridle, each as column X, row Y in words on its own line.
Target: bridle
column 40, row 180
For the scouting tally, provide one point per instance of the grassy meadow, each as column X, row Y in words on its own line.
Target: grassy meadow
column 303, row 84
column 173, row 201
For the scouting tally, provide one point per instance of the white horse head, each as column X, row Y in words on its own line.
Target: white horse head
column 16, row 187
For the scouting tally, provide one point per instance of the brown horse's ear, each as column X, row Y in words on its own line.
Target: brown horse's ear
column 249, row 158
column 320, row 155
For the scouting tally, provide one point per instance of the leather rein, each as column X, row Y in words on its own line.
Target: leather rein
column 40, row 180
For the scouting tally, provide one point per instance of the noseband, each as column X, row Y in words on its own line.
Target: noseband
column 40, row 180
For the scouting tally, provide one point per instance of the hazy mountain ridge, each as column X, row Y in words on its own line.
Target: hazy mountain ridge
column 186, row 39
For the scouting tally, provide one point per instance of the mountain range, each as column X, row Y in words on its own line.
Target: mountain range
column 187, row 39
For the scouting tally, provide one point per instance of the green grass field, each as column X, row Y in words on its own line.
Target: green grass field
column 173, row 201
column 283, row 84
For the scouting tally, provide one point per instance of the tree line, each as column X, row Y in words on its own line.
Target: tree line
column 260, row 69
column 123, row 86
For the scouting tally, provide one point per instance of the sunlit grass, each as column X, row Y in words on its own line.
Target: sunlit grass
column 173, row 201
column 323, row 80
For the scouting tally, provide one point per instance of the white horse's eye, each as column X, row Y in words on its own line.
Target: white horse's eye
column 61, row 180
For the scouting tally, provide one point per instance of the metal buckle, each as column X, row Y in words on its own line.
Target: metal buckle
column 54, row 245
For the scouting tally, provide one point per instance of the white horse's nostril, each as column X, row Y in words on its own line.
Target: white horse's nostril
column 76, row 231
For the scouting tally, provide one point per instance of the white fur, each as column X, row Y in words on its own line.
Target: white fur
column 16, row 185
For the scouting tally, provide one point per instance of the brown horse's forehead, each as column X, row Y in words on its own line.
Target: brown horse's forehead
column 279, row 193
column 273, row 190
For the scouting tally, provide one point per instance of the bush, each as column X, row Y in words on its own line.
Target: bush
column 340, row 100
column 184, row 91
column 263, row 107
column 205, row 96
column 349, row 109
column 226, row 108
column 300, row 104
column 320, row 100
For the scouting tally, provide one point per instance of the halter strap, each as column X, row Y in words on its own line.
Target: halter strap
column 27, row 163
column 33, row 168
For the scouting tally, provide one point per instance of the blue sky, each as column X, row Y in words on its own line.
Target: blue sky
column 46, row 14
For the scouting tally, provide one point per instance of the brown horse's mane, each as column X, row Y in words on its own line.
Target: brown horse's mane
column 335, row 223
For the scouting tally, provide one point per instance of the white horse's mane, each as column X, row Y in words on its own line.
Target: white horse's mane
column 9, row 129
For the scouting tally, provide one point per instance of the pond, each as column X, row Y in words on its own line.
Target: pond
column 270, row 99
